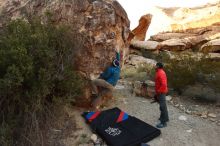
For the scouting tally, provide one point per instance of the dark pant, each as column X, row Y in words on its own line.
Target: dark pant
column 163, row 109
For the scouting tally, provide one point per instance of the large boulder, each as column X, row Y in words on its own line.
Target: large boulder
column 100, row 26
column 214, row 56
column 144, row 89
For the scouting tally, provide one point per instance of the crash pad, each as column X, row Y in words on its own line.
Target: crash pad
column 118, row 128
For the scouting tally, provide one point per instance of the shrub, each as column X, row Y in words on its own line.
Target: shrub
column 140, row 73
column 36, row 63
column 185, row 69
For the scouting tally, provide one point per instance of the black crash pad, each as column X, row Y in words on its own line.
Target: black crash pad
column 118, row 128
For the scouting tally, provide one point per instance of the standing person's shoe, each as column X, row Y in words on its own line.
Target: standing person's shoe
column 159, row 120
column 161, row 125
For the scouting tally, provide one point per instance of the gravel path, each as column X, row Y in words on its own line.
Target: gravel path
column 194, row 131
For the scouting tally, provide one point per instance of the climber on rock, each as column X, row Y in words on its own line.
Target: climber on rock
column 106, row 81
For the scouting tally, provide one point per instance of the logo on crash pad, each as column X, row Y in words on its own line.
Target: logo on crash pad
column 113, row 131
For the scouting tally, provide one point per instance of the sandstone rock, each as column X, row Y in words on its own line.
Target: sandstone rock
column 144, row 89
column 184, row 19
column 213, row 120
column 204, row 115
column 146, row 45
column 187, row 18
column 203, row 21
column 214, row 56
column 174, row 45
column 194, row 27
column 169, row 35
column 150, row 91
column 137, row 87
column 150, row 88
column 212, row 115
column 139, row 60
column 211, row 46
column 139, row 32
column 182, row 41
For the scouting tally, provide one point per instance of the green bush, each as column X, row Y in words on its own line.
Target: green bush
column 141, row 73
column 36, row 64
column 184, row 70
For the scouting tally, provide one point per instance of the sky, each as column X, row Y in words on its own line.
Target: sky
column 136, row 8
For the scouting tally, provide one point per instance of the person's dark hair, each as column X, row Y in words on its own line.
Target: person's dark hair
column 159, row 65
column 115, row 62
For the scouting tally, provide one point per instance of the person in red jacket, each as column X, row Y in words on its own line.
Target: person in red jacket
column 161, row 91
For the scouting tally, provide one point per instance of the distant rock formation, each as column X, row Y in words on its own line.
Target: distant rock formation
column 139, row 32
column 180, row 19
column 190, row 18
column 195, row 29
column 194, row 41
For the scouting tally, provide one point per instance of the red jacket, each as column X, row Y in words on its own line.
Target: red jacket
column 161, row 82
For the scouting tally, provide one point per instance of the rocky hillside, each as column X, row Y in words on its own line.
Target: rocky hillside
column 195, row 29
column 181, row 19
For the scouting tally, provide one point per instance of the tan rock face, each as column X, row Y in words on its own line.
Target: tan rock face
column 101, row 24
column 170, row 35
column 211, row 46
column 198, row 39
column 195, row 17
column 174, row 45
column 138, row 61
column 181, row 29
column 144, row 89
column 139, row 32
column 147, row 45
column 179, row 19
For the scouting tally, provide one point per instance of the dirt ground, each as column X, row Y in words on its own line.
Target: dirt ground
column 183, row 129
